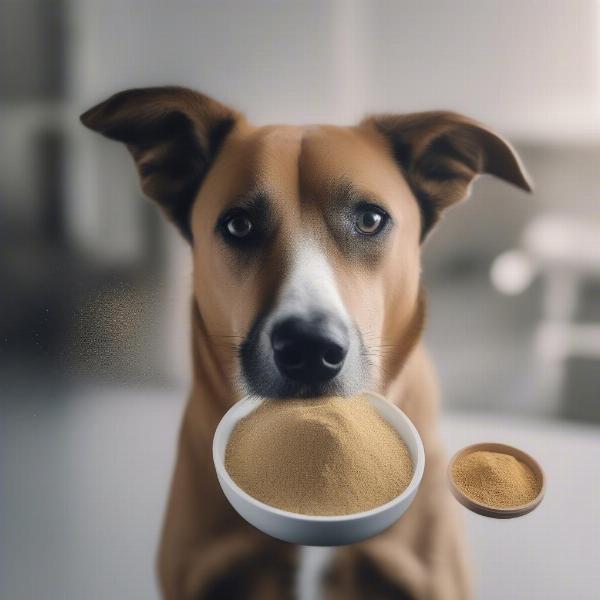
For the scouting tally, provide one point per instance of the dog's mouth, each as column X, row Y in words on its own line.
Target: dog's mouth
column 303, row 357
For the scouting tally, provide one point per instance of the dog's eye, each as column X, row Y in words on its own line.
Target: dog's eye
column 371, row 220
column 238, row 225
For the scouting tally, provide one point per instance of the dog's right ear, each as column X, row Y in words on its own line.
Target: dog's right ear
column 173, row 134
column 441, row 153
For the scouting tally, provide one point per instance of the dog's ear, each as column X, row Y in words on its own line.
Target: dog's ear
column 173, row 135
column 440, row 153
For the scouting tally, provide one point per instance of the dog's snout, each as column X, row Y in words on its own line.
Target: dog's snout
column 309, row 350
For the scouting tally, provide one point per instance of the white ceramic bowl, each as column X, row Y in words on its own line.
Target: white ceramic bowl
column 312, row 530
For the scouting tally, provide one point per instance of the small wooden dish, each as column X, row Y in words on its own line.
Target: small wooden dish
column 492, row 511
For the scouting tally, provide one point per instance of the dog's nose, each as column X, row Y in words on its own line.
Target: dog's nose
column 309, row 350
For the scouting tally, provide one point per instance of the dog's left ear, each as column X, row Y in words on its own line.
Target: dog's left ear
column 173, row 134
column 440, row 154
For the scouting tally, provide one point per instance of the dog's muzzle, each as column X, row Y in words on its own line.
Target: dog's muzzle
column 302, row 354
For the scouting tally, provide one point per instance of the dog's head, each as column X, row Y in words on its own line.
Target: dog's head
column 306, row 240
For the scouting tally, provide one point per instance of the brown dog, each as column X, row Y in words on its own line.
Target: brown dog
column 306, row 246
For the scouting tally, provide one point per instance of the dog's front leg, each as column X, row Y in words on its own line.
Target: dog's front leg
column 421, row 557
column 208, row 552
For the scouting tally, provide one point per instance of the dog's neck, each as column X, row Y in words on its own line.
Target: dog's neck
column 408, row 334
column 212, row 385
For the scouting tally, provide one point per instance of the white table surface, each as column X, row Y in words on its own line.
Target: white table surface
column 83, row 483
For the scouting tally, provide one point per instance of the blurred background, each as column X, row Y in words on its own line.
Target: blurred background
column 94, row 286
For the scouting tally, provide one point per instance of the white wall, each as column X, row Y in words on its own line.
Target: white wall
column 527, row 67
column 272, row 59
column 531, row 67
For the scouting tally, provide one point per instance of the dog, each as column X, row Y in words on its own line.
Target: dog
column 306, row 244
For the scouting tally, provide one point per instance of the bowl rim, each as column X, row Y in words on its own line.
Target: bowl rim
column 418, row 465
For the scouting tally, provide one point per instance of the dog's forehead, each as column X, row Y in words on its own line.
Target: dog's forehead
column 252, row 159
column 314, row 155
column 333, row 154
column 297, row 163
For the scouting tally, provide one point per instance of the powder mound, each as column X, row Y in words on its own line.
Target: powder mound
column 324, row 456
column 495, row 479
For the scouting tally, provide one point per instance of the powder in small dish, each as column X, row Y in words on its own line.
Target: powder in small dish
column 324, row 456
column 495, row 479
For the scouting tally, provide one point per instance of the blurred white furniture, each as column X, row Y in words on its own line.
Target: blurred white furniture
column 565, row 252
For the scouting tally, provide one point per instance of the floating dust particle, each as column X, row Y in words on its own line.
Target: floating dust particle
column 325, row 456
column 495, row 479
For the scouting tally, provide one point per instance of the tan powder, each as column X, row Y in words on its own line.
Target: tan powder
column 330, row 456
column 495, row 479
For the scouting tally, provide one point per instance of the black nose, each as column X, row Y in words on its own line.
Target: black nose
column 309, row 349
